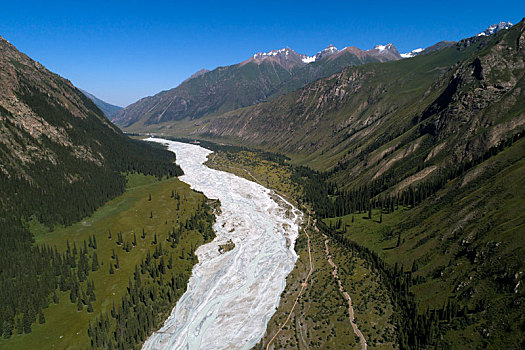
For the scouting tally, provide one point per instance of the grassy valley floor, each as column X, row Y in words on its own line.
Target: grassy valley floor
column 320, row 319
column 447, row 272
column 152, row 230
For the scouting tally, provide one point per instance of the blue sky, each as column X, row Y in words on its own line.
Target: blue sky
column 122, row 51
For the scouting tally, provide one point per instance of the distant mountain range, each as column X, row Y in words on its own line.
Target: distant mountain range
column 108, row 109
column 262, row 77
column 444, row 128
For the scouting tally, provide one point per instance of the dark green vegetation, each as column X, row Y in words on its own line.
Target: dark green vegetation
column 66, row 253
column 320, row 319
column 108, row 109
column 227, row 88
column 137, row 251
column 418, row 170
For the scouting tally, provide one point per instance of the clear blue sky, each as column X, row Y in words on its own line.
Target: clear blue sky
column 122, row 51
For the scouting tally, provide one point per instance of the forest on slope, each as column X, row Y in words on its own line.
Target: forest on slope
column 417, row 167
column 75, row 194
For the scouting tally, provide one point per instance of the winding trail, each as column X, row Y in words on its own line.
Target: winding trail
column 303, row 286
column 357, row 332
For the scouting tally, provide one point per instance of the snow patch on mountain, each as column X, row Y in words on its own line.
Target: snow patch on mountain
column 308, row 59
column 493, row 29
column 262, row 55
column 412, row 53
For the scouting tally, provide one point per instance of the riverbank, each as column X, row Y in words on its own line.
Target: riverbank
column 121, row 234
column 231, row 296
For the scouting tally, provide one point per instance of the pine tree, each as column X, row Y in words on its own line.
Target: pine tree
column 19, row 326
column 55, row 297
column 111, row 271
column 94, row 263
column 41, row 318
column 8, row 328
column 73, row 295
column 89, row 307
column 149, row 199
column 26, row 321
column 151, row 215
column 134, row 239
column 80, row 306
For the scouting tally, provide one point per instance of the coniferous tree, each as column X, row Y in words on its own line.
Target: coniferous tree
column 41, row 318
column 94, row 263
column 8, row 328
column 19, row 326
column 89, row 307
column 26, row 321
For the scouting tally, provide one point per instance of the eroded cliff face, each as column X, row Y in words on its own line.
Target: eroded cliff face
column 444, row 108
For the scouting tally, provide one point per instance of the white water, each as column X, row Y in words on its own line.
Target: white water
column 231, row 296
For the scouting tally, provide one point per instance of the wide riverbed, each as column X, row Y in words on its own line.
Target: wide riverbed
column 231, row 296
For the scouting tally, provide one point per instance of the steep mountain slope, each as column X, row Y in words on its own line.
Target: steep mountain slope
column 60, row 159
column 369, row 118
column 108, row 109
column 50, row 131
column 421, row 166
column 262, row 77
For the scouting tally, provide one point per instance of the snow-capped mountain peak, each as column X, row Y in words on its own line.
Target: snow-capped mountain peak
column 329, row 50
column 493, row 29
column 412, row 53
column 261, row 55
column 381, row 48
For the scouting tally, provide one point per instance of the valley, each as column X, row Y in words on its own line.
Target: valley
column 346, row 199
column 231, row 296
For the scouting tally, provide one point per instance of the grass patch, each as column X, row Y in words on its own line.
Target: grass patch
column 157, row 207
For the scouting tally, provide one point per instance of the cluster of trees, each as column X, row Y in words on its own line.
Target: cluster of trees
column 155, row 287
column 414, row 329
column 415, row 194
column 59, row 189
column 329, row 201
column 30, row 280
